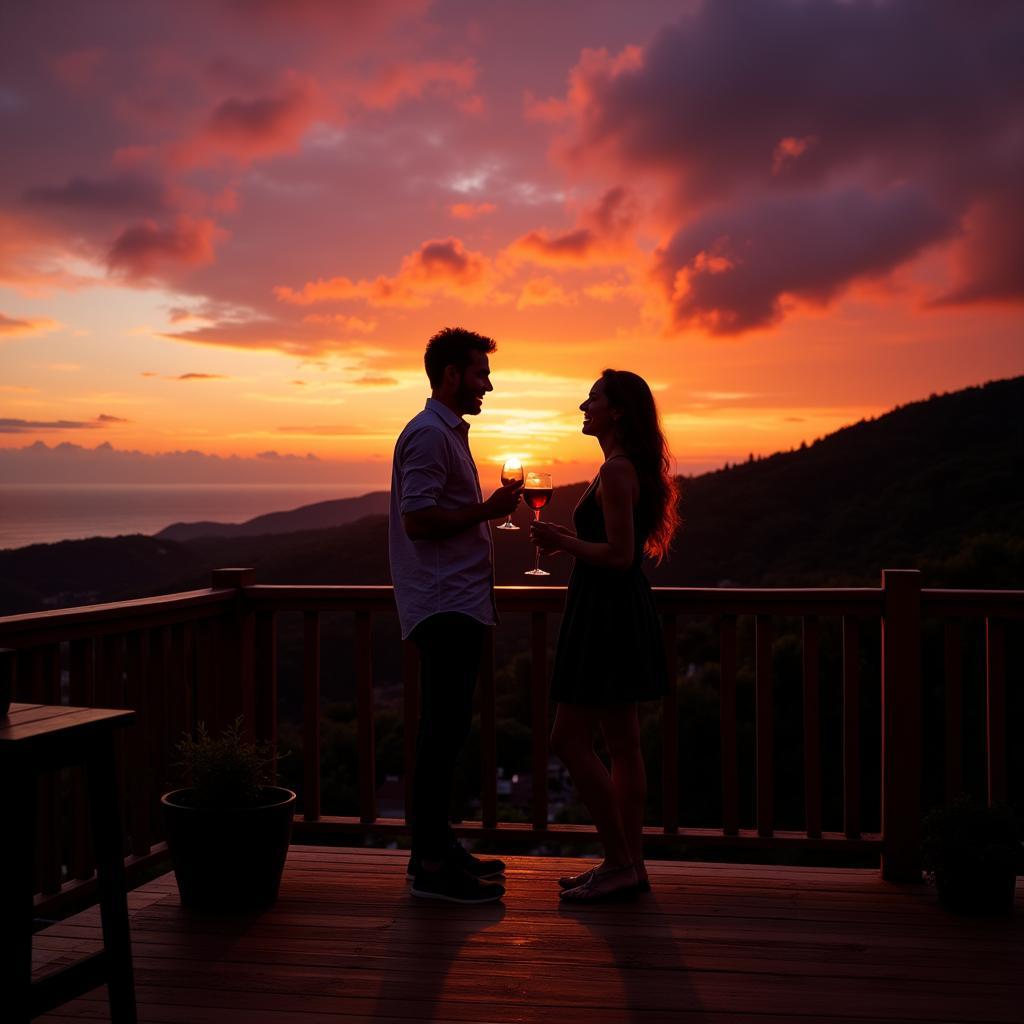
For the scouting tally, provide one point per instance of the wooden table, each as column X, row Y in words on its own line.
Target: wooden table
column 39, row 738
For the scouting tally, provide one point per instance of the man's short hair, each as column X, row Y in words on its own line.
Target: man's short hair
column 452, row 346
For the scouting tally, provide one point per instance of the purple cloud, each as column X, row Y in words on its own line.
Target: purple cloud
column 741, row 102
column 729, row 269
column 127, row 194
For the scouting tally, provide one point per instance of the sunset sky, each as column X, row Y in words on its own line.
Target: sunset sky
column 231, row 226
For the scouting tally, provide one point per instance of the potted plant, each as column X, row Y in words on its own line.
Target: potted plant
column 228, row 830
column 971, row 852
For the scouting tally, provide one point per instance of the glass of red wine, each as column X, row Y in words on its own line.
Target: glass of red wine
column 536, row 494
column 511, row 473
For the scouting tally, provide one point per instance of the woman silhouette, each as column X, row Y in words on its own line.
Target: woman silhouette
column 610, row 653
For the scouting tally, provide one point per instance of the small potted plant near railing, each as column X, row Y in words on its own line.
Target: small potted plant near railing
column 971, row 852
column 229, row 828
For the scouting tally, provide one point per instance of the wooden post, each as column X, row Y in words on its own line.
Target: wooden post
column 901, row 725
column 236, row 680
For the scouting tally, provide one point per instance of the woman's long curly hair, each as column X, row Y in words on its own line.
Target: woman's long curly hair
column 638, row 429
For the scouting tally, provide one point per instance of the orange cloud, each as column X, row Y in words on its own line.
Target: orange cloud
column 143, row 249
column 272, row 335
column 358, row 325
column 11, row 327
column 601, row 238
column 33, row 256
column 410, row 81
column 549, row 111
column 441, row 267
column 544, row 291
column 470, row 211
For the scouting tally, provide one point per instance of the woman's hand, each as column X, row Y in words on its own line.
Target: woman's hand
column 548, row 536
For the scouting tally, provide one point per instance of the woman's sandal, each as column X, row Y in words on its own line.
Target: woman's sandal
column 574, row 881
column 591, row 891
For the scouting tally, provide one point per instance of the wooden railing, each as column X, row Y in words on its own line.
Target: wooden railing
column 210, row 655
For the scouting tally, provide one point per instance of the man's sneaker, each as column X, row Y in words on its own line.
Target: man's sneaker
column 462, row 858
column 455, row 886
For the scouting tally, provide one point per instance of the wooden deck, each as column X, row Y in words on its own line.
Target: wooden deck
column 346, row 942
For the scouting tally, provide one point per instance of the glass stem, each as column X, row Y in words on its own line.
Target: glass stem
column 536, row 559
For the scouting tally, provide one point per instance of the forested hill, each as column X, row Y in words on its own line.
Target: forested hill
column 936, row 485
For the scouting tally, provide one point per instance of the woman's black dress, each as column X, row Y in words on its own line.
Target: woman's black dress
column 610, row 644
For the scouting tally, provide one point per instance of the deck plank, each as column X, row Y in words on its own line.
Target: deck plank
column 712, row 942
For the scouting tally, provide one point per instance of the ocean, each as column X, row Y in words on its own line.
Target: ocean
column 44, row 513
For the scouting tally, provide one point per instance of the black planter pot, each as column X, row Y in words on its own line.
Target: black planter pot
column 228, row 858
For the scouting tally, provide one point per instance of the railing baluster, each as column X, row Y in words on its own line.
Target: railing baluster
column 140, row 777
column 995, row 709
column 488, row 736
column 410, row 719
column 539, row 705
column 156, row 676
column 364, row 714
column 110, row 694
column 82, row 693
column 311, row 715
column 265, row 680
column 953, row 642
column 764, row 727
column 851, row 727
column 670, row 729
column 206, row 636
column 177, row 696
column 812, row 727
column 45, row 676
column 727, row 724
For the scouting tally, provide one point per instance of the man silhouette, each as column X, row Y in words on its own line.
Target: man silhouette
column 439, row 541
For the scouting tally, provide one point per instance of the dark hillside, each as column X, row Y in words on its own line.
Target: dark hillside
column 936, row 485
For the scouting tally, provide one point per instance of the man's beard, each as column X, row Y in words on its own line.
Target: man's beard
column 466, row 399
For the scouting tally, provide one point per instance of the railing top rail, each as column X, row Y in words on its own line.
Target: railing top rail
column 60, row 623
column 698, row 600
column 973, row 602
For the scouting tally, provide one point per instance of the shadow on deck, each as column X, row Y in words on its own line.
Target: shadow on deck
column 711, row 942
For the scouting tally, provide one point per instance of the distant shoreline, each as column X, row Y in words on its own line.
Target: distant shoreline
column 33, row 513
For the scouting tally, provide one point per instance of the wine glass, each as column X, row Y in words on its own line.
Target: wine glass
column 511, row 473
column 536, row 494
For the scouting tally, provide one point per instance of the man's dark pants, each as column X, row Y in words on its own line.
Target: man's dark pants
column 449, row 645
